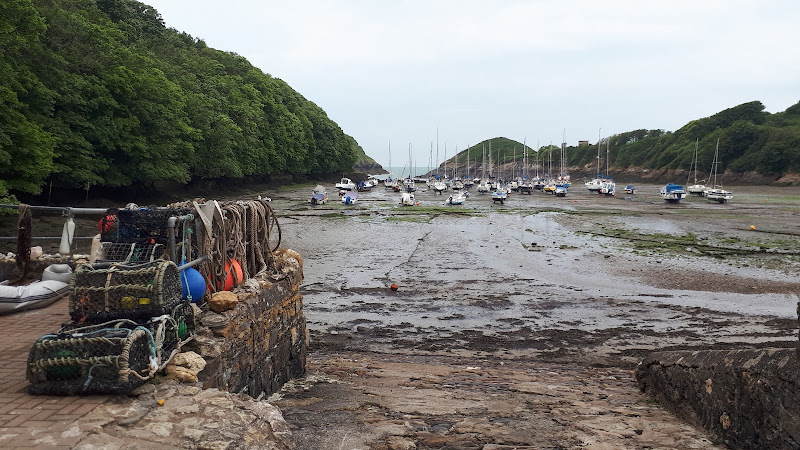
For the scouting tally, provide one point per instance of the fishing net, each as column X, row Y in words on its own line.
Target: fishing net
column 109, row 358
column 106, row 291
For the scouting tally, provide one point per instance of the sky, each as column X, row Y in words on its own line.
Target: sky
column 427, row 77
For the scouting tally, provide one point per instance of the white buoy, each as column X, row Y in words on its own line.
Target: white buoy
column 66, row 237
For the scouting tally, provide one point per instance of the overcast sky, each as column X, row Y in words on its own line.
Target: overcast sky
column 398, row 71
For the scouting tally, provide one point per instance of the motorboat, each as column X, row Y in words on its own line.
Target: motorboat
column 630, row 189
column 457, row 199
column 594, row 185
column 407, row 199
column 499, row 195
column 672, row 193
column 346, row 184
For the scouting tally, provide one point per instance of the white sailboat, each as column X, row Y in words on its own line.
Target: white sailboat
column 483, row 187
column 697, row 189
column 608, row 187
column 595, row 184
column 716, row 193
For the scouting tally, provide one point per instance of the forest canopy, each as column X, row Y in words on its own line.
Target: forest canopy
column 102, row 93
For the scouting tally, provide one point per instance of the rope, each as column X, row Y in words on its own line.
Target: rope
column 24, row 232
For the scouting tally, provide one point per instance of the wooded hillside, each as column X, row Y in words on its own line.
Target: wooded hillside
column 102, row 93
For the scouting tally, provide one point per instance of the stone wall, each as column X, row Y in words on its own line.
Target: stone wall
column 261, row 343
column 745, row 398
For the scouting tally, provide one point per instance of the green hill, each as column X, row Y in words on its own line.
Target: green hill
column 101, row 93
column 750, row 140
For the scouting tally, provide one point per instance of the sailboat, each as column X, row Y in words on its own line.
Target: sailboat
column 608, row 187
column 549, row 183
column 526, row 185
column 468, row 183
column 483, row 187
column 409, row 184
column 594, row 185
column 457, row 184
column 716, row 193
column 563, row 177
column 696, row 189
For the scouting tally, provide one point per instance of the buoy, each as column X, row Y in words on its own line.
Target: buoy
column 230, row 282
column 417, row 203
column 66, row 237
column 393, row 287
column 752, row 227
column 192, row 284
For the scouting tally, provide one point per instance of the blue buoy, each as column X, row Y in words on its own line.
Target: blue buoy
column 193, row 284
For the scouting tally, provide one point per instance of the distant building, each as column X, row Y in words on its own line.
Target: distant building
column 583, row 143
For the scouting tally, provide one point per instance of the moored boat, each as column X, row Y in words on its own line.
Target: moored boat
column 349, row 197
column 319, row 196
column 346, row 184
column 672, row 193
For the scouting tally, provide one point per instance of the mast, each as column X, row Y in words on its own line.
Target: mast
column 437, row 152
column 598, row 152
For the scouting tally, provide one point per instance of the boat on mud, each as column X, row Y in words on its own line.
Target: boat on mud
column 458, row 198
column 500, row 194
column 672, row 193
column 319, row 196
column 407, row 199
column 350, row 197
column 346, row 184
column 716, row 193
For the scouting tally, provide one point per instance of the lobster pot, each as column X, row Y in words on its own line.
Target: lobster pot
column 141, row 226
column 171, row 331
column 103, row 292
column 102, row 361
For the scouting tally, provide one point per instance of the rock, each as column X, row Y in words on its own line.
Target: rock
column 184, row 367
column 181, row 374
column 190, row 360
column 223, row 301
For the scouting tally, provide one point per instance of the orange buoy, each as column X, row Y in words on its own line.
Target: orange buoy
column 752, row 227
column 393, row 287
column 230, row 281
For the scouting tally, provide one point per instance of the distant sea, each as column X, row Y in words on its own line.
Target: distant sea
column 398, row 172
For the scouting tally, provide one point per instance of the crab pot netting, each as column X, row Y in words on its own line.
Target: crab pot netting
column 102, row 292
column 141, row 226
column 101, row 361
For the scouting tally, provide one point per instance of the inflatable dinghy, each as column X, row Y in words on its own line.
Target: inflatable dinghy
column 54, row 285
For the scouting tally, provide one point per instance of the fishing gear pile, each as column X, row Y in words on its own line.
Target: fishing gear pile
column 131, row 310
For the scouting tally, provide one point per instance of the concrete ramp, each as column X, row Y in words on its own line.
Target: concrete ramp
column 745, row 398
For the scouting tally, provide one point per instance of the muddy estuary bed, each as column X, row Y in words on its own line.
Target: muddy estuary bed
column 539, row 290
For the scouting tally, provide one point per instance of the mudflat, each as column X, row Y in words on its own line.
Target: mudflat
column 519, row 325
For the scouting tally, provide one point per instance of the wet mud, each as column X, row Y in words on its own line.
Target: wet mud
column 518, row 325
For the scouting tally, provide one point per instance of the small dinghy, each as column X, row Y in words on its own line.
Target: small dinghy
column 319, row 196
column 350, row 197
